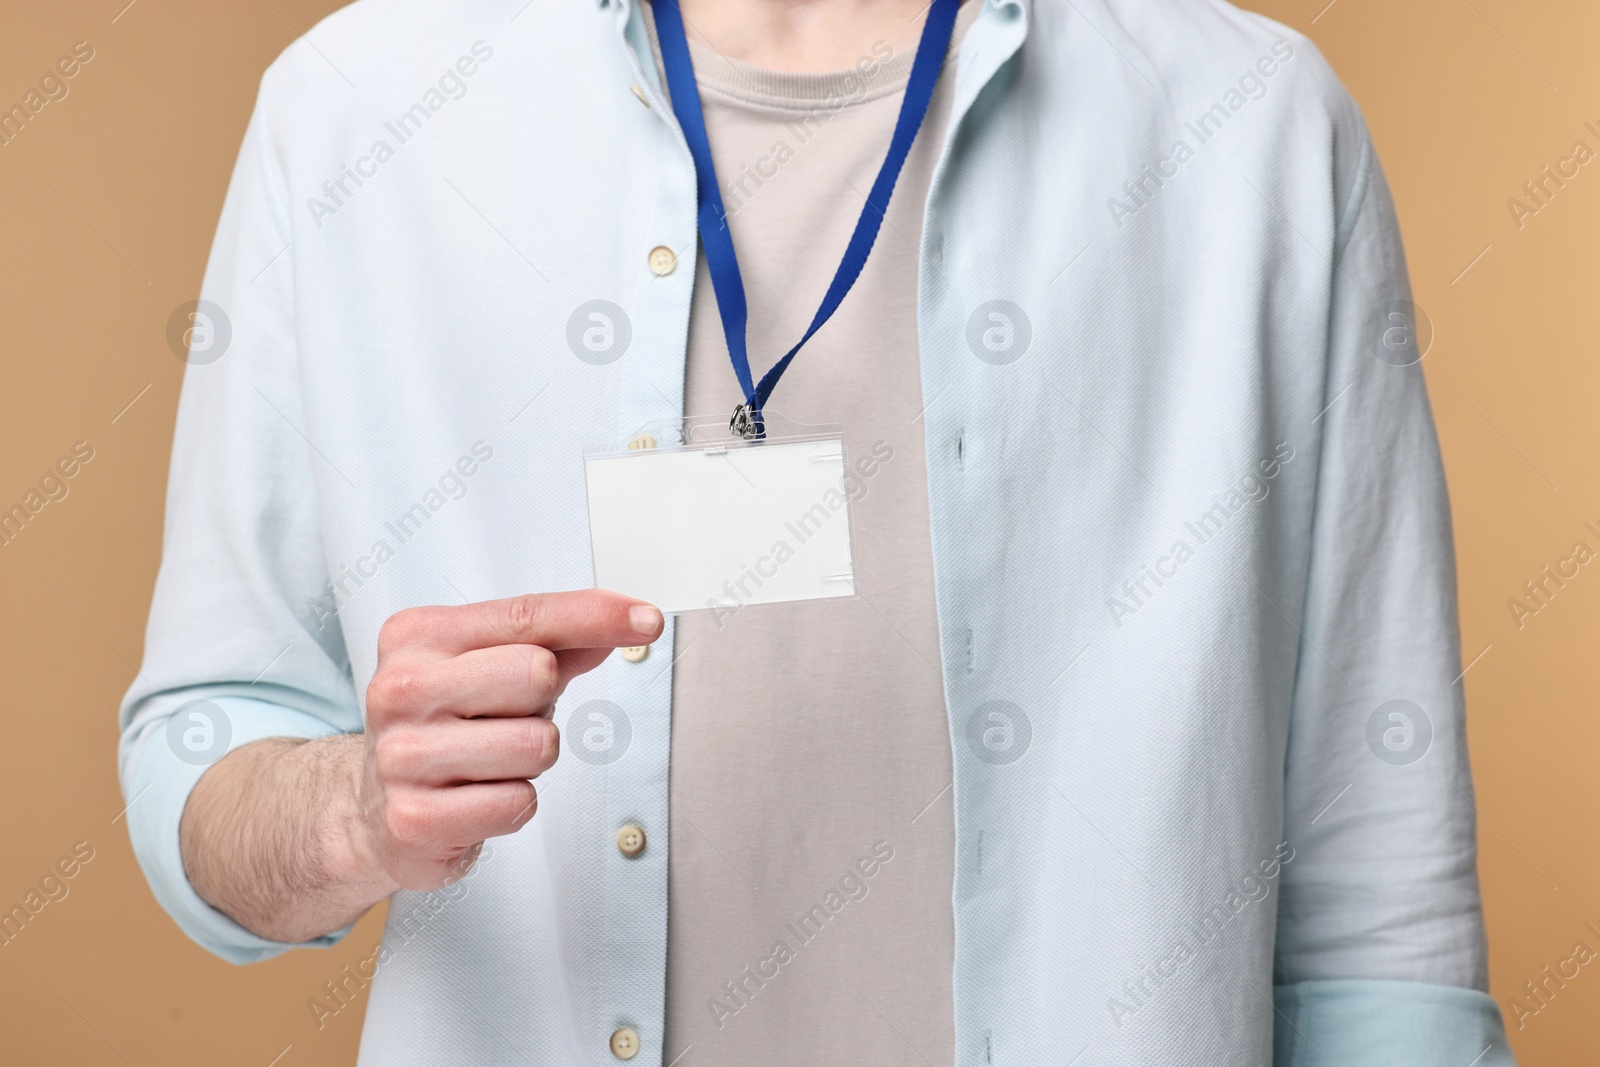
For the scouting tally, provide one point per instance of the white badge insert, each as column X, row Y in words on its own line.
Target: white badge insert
column 704, row 520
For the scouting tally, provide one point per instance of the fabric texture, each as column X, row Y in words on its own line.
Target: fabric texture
column 1189, row 535
column 1386, row 1024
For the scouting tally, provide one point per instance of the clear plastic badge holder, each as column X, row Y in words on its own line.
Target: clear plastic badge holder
column 692, row 518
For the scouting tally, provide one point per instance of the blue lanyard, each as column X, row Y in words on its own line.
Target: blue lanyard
column 714, row 234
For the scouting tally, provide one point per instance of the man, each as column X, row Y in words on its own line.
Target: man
column 1142, row 742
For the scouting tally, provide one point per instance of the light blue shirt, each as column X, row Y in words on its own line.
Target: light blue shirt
column 1191, row 538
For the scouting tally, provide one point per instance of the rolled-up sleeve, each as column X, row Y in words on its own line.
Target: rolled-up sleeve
column 1380, row 948
column 240, row 644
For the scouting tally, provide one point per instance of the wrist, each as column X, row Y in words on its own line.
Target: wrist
column 348, row 852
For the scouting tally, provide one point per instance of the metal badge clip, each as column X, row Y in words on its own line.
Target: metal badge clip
column 745, row 423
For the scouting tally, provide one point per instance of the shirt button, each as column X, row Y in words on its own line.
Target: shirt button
column 635, row 653
column 630, row 840
column 662, row 260
column 638, row 90
column 644, row 440
column 625, row 1043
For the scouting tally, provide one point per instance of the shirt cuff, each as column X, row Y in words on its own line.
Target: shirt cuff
column 1369, row 1023
column 158, row 782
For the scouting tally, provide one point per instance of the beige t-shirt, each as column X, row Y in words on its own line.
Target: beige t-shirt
column 812, row 839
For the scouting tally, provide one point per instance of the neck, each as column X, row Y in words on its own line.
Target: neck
column 814, row 36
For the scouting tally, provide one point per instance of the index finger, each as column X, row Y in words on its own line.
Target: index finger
column 581, row 618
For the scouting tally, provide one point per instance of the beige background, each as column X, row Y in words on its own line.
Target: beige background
column 110, row 198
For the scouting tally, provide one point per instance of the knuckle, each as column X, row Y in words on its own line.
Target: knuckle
column 540, row 744
column 525, row 613
column 543, row 673
column 399, row 630
column 521, row 803
column 398, row 756
column 380, row 696
column 378, row 700
column 411, row 628
column 395, row 690
column 411, row 821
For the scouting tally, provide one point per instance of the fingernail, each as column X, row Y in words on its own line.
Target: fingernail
column 645, row 619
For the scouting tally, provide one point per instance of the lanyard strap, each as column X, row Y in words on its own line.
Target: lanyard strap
column 723, row 265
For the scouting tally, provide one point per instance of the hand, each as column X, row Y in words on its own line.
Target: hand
column 459, row 721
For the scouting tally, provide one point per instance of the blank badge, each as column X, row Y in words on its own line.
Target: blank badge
column 716, row 527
